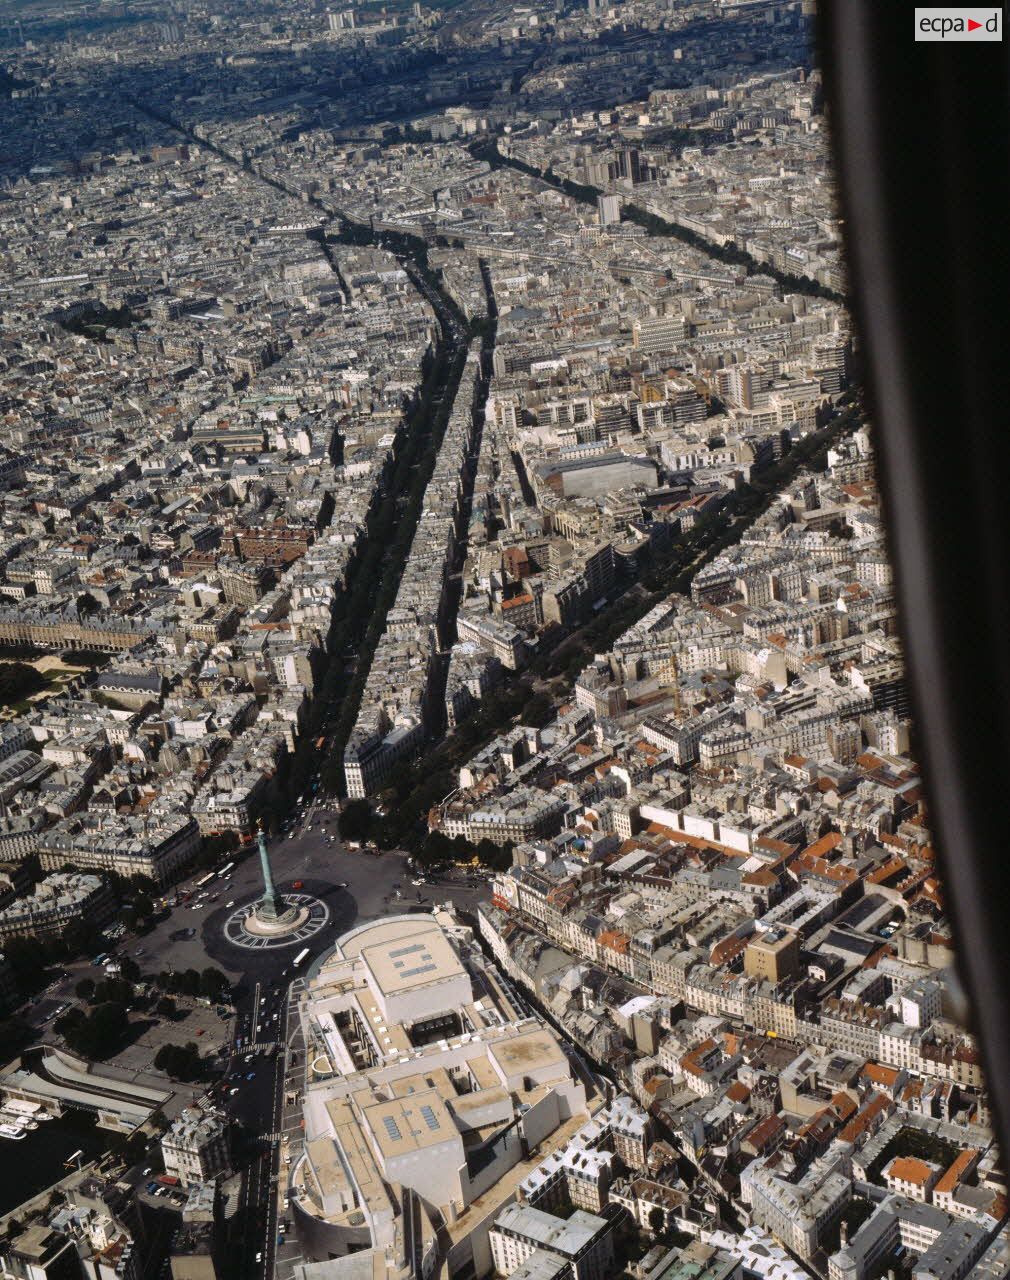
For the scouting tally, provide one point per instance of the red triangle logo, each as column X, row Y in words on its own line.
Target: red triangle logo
column 973, row 25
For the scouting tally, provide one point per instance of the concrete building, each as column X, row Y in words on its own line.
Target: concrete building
column 417, row 1085
column 584, row 1241
column 772, row 956
column 195, row 1147
column 58, row 901
column 944, row 1247
column 40, row 1253
column 799, row 1210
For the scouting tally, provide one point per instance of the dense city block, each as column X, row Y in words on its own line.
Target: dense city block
column 459, row 810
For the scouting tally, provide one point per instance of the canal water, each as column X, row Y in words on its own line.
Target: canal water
column 36, row 1161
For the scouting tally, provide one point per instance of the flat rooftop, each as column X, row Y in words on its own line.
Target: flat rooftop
column 352, row 943
column 410, row 1123
column 533, row 1051
column 405, row 963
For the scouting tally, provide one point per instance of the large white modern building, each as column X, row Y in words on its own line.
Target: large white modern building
column 429, row 1094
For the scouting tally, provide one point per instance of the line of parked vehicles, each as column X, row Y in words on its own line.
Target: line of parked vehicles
column 166, row 1185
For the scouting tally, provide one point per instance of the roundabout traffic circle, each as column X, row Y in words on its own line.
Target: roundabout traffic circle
column 302, row 918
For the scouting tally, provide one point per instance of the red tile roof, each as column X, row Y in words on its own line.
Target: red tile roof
column 909, row 1169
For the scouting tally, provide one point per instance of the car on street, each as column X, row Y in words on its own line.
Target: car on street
column 259, row 1257
column 251, row 1075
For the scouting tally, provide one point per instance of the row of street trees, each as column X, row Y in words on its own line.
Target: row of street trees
column 414, row 787
column 97, row 1034
column 211, row 983
column 181, row 1061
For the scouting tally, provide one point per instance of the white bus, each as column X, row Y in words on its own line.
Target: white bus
column 205, row 880
column 299, row 958
column 228, row 866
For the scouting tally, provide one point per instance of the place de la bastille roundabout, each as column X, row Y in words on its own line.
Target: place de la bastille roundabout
column 275, row 919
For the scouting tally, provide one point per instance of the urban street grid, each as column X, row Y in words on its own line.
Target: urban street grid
column 458, row 810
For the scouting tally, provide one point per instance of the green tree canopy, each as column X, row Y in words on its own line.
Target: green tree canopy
column 355, row 821
column 181, row 1062
column 97, row 1034
column 17, row 681
column 214, row 984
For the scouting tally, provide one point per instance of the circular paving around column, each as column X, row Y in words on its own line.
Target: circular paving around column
column 311, row 916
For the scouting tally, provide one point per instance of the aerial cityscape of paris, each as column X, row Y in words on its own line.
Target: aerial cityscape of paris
column 460, row 813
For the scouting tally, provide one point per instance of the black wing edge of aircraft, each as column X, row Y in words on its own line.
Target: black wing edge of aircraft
column 920, row 138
